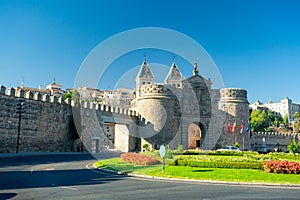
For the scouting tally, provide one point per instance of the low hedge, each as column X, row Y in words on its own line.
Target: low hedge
column 219, row 153
column 192, row 162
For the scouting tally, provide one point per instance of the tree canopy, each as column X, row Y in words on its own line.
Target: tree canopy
column 261, row 121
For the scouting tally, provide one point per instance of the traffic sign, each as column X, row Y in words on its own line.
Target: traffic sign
column 162, row 151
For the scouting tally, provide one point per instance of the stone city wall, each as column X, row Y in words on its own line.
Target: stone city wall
column 44, row 125
column 47, row 124
column 271, row 141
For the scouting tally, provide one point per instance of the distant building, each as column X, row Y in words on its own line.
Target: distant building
column 33, row 90
column 121, row 97
column 90, row 94
column 55, row 89
column 283, row 108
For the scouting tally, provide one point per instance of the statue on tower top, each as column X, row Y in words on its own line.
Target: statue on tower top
column 195, row 72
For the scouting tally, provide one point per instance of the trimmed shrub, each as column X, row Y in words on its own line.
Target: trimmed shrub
column 179, row 149
column 138, row 159
column 218, row 162
column 283, row 166
column 169, row 152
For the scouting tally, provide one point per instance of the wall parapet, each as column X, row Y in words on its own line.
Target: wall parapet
column 233, row 94
column 275, row 134
column 37, row 96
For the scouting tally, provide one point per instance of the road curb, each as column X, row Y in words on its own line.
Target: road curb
column 196, row 181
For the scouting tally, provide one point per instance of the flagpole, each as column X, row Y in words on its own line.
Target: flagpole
column 243, row 142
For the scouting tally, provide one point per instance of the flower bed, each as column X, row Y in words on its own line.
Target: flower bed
column 138, row 159
column 283, row 166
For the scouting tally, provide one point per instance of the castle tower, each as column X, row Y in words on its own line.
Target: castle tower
column 174, row 76
column 234, row 103
column 144, row 77
column 161, row 110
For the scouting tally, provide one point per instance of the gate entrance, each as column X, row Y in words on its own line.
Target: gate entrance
column 195, row 134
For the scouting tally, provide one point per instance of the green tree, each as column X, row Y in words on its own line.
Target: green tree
column 285, row 120
column 296, row 126
column 271, row 117
column 293, row 147
column 237, row 145
column 145, row 147
column 68, row 95
column 296, row 116
column 259, row 121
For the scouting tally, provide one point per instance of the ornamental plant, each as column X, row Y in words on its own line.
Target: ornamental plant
column 138, row 159
column 283, row 166
column 293, row 147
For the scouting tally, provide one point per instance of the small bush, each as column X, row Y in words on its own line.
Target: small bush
column 146, row 147
column 169, row 152
column 138, row 159
column 180, row 148
column 237, row 145
column 282, row 166
column 293, row 147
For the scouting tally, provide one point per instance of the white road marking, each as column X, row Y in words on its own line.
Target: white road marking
column 65, row 187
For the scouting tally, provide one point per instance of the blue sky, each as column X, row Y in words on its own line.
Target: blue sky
column 255, row 44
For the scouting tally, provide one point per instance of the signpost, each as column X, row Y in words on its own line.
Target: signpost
column 21, row 107
column 162, row 153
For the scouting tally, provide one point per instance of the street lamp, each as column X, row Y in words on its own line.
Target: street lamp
column 21, row 107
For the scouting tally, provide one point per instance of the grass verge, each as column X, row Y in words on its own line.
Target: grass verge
column 230, row 175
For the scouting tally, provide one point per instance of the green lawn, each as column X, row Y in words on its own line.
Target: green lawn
column 234, row 175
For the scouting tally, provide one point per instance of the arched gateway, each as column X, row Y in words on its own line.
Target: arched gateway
column 196, row 135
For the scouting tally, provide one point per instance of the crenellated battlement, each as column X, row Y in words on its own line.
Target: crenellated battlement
column 275, row 134
column 156, row 89
column 233, row 94
column 37, row 96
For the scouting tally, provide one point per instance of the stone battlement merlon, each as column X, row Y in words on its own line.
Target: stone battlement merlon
column 156, row 89
column 275, row 134
column 233, row 94
column 37, row 96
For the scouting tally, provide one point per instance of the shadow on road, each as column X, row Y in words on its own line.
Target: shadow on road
column 53, row 178
column 51, row 158
column 7, row 195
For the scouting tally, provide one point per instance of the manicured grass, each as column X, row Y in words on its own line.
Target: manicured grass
column 234, row 175
column 119, row 165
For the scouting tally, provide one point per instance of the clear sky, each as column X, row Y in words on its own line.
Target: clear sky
column 255, row 44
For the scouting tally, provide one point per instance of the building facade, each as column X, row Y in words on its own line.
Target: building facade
column 283, row 108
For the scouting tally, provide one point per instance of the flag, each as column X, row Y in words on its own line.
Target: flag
column 228, row 127
column 248, row 128
column 233, row 127
column 242, row 127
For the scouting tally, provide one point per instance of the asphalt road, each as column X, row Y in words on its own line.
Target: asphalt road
column 72, row 177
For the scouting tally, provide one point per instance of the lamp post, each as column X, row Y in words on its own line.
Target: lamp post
column 21, row 107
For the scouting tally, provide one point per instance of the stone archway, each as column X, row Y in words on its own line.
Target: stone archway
column 195, row 135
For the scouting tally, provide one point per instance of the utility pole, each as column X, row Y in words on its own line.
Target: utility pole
column 21, row 107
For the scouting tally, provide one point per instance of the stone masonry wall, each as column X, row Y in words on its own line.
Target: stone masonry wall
column 269, row 141
column 44, row 126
